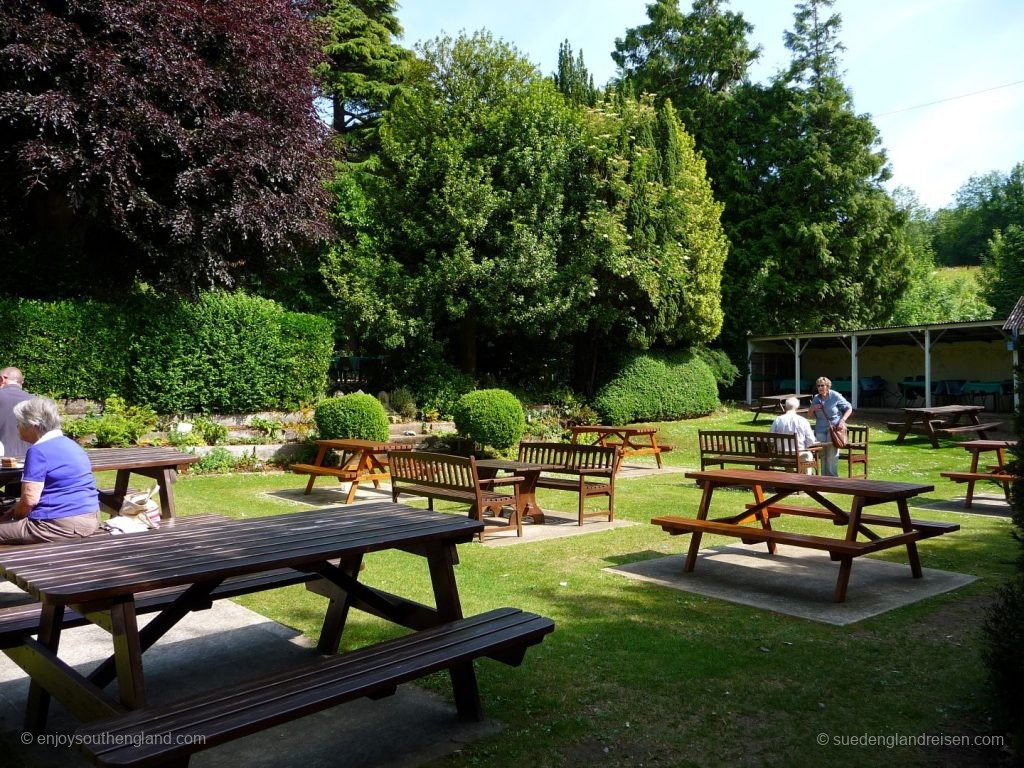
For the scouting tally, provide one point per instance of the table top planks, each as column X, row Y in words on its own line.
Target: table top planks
column 870, row 489
column 94, row 570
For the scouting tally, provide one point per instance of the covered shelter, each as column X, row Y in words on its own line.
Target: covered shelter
column 932, row 362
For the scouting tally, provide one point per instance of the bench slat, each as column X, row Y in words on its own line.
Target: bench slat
column 928, row 528
column 220, row 717
column 312, row 469
column 963, row 477
column 965, row 428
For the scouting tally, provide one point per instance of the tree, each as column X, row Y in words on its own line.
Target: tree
column 504, row 222
column 364, row 68
column 983, row 205
column 1003, row 270
column 572, row 77
column 170, row 142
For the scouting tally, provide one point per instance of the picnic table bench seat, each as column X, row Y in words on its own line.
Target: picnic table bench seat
column 589, row 471
column 928, row 528
column 171, row 734
column 312, row 469
column 452, row 478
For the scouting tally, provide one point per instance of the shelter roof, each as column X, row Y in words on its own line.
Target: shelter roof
column 1015, row 322
column 976, row 330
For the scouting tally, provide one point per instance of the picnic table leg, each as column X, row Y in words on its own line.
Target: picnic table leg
column 38, row 705
column 167, row 478
column 337, row 609
column 362, row 468
column 657, row 451
column 915, row 559
column 124, row 627
column 765, row 518
column 321, row 454
column 441, row 559
column 695, row 537
column 908, row 422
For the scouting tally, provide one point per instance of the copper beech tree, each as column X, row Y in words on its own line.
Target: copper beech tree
column 169, row 141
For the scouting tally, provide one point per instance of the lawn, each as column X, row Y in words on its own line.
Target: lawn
column 636, row 674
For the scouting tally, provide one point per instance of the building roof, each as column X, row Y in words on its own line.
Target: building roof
column 976, row 330
column 1015, row 322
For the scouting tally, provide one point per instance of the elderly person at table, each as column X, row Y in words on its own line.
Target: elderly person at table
column 58, row 491
column 828, row 408
column 791, row 422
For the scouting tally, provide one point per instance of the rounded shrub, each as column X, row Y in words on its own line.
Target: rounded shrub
column 490, row 417
column 355, row 416
column 648, row 387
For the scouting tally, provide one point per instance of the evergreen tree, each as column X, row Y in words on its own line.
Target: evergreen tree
column 983, row 205
column 573, row 79
column 364, row 68
column 1003, row 270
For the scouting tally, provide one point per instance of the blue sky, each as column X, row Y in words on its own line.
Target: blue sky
column 900, row 54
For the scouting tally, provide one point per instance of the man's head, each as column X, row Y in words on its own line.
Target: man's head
column 792, row 404
column 11, row 376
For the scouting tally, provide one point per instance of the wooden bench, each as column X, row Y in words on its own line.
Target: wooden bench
column 451, row 478
column 837, row 548
column 171, row 734
column 760, row 450
column 312, row 469
column 592, row 469
column 1003, row 478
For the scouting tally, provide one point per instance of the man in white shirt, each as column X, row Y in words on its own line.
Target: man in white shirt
column 794, row 423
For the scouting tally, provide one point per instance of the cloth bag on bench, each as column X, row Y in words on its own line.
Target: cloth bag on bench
column 139, row 512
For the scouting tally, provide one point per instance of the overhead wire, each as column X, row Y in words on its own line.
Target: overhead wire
column 950, row 98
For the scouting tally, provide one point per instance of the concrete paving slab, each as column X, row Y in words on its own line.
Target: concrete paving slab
column 222, row 646
column 555, row 527
column 981, row 504
column 796, row 581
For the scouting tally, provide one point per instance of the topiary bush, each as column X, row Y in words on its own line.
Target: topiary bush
column 354, row 416
column 649, row 387
column 490, row 417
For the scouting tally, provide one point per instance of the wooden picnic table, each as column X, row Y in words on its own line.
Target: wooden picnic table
column 942, row 421
column 998, row 472
column 864, row 493
column 361, row 461
column 530, row 474
column 778, row 403
column 631, row 441
column 106, row 574
column 157, row 463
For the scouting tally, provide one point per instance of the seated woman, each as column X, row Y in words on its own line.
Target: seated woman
column 58, row 491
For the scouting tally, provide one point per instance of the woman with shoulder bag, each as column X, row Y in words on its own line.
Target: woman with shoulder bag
column 830, row 409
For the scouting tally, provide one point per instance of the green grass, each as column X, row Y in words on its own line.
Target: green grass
column 639, row 674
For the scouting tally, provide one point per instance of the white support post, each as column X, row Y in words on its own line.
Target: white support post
column 927, row 368
column 854, row 377
column 796, row 363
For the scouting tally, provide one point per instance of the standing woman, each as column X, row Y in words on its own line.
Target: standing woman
column 58, row 491
column 828, row 408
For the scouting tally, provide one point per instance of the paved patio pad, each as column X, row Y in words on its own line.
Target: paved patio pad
column 796, row 581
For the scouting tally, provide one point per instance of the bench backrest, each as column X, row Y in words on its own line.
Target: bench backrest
column 572, row 456
column 435, row 470
column 734, row 442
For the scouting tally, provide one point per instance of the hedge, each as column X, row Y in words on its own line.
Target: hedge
column 490, row 417
column 352, row 417
column 225, row 353
column 648, row 387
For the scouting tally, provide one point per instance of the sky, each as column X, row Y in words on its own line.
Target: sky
column 910, row 65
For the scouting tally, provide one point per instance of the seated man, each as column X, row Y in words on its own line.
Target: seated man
column 792, row 422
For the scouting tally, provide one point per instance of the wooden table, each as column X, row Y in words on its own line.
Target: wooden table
column 530, row 472
column 864, row 493
column 160, row 464
column 777, row 403
column 101, row 577
column 942, row 421
column 998, row 472
column 361, row 460
column 631, row 441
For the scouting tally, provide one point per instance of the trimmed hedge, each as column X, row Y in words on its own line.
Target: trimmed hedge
column 490, row 417
column 357, row 417
column 677, row 385
column 225, row 353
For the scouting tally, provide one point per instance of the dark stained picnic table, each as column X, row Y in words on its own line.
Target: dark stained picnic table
column 942, row 421
column 107, row 574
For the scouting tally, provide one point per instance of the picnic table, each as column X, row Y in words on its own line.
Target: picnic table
column 778, row 403
column 998, row 472
column 530, row 474
column 157, row 463
column 854, row 522
column 361, row 461
column 631, row 441
column 942, row 421
column 108, row 574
